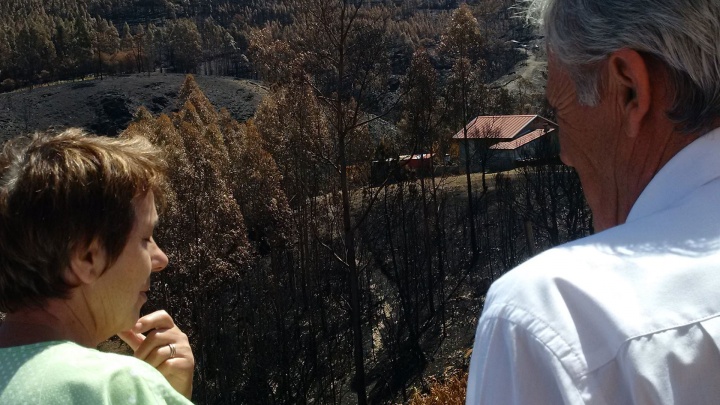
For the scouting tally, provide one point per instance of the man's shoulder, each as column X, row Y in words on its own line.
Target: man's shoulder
column 583, row 262
column 596, row 293
column 632, row 270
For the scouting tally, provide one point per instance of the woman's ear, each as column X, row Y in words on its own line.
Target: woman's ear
column 629, row 71
column 87, row 263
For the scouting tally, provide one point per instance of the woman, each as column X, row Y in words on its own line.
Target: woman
column 77, row 215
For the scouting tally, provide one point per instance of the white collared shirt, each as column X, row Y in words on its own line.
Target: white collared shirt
column 630, row 315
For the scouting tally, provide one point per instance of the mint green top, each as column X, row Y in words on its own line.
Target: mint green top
column 62, row 372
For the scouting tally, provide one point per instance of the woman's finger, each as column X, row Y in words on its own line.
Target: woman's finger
column 133, row 339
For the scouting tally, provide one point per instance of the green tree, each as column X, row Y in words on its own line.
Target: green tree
column 105, row 43
column 152, row 46
column 6, row 54
column 126, row 57
column 34, row 51
column 64, row 43
column 185, row 45
column 126, row 40
column 219, row 48
column 82, row 51
column 138, row 48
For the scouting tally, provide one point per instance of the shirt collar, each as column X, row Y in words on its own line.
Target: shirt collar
column 695, row 165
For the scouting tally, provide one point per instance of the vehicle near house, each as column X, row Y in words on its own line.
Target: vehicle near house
column 402, row 168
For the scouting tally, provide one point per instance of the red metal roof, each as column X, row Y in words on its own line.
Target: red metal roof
column 496, row 126
column 516, row 143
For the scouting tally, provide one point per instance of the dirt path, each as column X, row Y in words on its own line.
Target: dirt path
column 532, row 71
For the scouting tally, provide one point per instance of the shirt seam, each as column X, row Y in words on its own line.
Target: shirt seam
column 576, row 380
column 587, row 370
column 653, row 332
column 543, row 323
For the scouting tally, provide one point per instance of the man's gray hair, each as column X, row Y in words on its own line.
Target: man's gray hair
column 683, row 34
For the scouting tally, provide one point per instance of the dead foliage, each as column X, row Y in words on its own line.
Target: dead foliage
column 450, row 389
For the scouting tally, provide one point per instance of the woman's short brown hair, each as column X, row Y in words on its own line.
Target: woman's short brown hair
column 59, row 193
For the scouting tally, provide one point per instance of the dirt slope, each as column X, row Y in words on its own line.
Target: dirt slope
column 532, row 71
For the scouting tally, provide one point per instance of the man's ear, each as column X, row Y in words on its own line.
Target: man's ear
column 629, row 72
column 86, row 264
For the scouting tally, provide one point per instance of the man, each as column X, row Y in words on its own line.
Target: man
column 630, row 315
column 77, row 215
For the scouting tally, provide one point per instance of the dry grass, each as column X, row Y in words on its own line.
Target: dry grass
column 448, row 390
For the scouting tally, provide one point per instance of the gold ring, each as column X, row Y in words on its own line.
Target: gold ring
column 172, row 350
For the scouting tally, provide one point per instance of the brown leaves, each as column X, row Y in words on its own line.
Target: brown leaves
column 448, row 390
column 224, row 186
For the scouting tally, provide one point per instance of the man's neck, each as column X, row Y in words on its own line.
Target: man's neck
column 652, row 150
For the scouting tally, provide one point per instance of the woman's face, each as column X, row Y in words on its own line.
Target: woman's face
column 120, row 292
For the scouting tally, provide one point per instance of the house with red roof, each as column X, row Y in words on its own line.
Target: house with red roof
column 504, row 142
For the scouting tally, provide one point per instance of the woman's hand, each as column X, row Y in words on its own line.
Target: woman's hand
column 151, row 340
